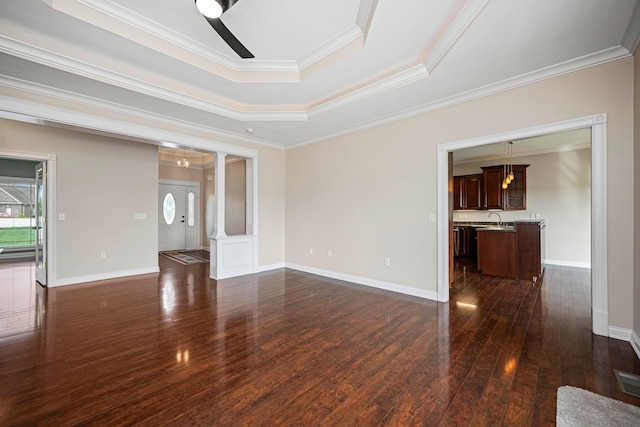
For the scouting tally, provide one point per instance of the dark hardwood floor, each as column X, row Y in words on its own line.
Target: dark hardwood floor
column 290, row 348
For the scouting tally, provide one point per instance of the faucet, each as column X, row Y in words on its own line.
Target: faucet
column 499, row 217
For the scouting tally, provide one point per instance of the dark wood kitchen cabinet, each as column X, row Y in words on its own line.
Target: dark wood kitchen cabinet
column 466, row 245
column 468, row 192
column 514, row 197
column 492, row 180
column 497, row 253
column 530, row 245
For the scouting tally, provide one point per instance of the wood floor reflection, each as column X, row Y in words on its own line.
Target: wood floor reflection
column 290, row 348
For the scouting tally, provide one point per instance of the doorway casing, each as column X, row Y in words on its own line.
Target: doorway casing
column 599, row 285
column 50, row 160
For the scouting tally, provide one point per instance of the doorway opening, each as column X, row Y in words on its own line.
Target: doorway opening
column 597, row 126
column 27, row 202
column 185, row 183
column 178, row 216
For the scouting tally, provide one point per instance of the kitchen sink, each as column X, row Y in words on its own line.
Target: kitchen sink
column 498, row 228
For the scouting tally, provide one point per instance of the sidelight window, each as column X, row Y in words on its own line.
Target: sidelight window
column 191, row 209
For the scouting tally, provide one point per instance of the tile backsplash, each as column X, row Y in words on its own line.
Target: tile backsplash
column 483, row 216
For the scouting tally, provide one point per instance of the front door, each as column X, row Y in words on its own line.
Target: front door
column 41, row 223
column 178, row 217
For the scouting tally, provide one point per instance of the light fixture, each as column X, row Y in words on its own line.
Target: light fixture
column 507, row 168
column 209, row 8
column 184, row 163
column 511, row 175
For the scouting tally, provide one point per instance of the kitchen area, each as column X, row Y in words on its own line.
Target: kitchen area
column 506, row 247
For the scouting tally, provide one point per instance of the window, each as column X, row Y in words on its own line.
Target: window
column 169, row 208
column 17, row 210
column 191, row 209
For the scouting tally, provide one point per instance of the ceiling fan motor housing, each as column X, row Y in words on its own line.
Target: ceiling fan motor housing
column 226, row 4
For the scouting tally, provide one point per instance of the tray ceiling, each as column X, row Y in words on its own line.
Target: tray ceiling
column 322, row 68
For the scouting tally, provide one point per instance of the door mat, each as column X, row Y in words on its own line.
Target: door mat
column 184, row 258
column 580, row 408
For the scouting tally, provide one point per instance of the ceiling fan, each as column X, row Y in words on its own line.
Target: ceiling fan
column 212, row 10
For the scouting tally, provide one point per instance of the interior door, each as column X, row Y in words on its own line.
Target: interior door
column 41, row 223
column 179, row 217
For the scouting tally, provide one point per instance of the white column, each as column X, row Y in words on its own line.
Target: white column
column 252, row 196
column 233, row 256
column 219, row 195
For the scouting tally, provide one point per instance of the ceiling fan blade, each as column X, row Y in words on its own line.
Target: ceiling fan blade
column 228, row 37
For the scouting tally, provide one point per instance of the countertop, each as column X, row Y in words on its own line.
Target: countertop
column 505, row 226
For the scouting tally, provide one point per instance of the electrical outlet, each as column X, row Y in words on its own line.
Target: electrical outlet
column 310, row 251
column 387, row 262
column 103, row 255
column 432, row 217
column 62, row 217
column 329, row 253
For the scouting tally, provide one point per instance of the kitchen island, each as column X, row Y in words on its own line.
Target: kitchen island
column 513, row 250
column 497, row 251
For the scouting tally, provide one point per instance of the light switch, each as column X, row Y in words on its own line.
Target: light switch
column 61, row 217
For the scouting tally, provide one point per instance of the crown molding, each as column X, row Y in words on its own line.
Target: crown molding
column 394, row 81
column 17, row 42
column 144, row 84
column 31, row 50
column 460, row 20
column 408, row 73
column 598, row 58
column 94, row 103
column 549, row 72
column 35, row 112
column 631, row 36
column 117, row 19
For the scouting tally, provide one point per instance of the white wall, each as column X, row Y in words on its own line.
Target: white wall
column 559, row 189
column 369, row 195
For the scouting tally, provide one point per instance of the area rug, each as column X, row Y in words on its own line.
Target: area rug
column 184, row 258
column 578, row 407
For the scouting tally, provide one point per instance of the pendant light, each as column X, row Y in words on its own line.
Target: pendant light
column 507, row 166
column 511, row 176
column 505, row 184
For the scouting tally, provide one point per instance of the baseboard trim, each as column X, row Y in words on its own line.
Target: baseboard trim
column 387, row 286
column 623, row 334
column 635, row 343
column 105, row 276
column 567, row 263
column 269, row 267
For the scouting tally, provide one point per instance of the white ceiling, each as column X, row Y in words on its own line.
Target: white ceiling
column 321, row 68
